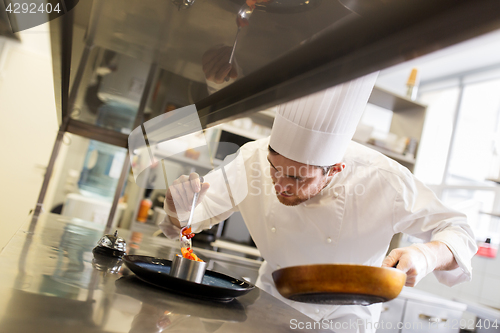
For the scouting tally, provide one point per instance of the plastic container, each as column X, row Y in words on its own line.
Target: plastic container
column 145, row 206
column 486, row 249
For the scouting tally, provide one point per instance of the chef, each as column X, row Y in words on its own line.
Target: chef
column 310, row 195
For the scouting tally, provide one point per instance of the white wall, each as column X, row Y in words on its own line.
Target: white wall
column 28, row 125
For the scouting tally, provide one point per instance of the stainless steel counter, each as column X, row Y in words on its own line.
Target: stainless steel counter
column 50, row 284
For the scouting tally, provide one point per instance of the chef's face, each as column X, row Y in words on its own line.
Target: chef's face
column 296, row 182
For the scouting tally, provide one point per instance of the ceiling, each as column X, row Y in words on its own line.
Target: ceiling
column 478, row 53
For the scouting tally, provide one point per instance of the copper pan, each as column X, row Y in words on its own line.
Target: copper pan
column 342, row 284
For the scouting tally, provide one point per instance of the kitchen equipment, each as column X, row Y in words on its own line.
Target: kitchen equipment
column 193, row 206
column 101, row 170
column 187, row 269
column 234, row 46
column 215, row 286
column 241, row 21
column 92, row 209
column 486, row 249
column 342, row 284
column 186, row 242
column 111, row 245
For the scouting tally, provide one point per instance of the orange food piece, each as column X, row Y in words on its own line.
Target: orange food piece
column 251, row 3
column 188, row 254
column 185, row 231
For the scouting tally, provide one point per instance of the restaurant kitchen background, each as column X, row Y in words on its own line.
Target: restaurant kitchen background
column 438, row 115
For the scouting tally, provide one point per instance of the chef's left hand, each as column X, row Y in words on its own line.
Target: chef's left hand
column 416, row 261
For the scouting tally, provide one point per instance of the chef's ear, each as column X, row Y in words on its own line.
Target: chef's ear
column 336, row 168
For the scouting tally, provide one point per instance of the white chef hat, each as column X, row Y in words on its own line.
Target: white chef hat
column 317, row 129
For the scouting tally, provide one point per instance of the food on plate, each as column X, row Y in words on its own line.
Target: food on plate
column 186, row 250
column 188, row 254
column 186, row 232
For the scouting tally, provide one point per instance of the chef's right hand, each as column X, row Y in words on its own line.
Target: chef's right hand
column 179, row 197
column 216, row 66
column 416, row 261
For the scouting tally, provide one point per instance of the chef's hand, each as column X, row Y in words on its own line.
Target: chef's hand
column 216, row 66
column 416, row 261
column 179, row 197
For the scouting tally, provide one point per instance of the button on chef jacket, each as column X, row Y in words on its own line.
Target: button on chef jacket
column 352, row 220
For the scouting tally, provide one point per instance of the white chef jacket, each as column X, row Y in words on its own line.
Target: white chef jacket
column 352, row 220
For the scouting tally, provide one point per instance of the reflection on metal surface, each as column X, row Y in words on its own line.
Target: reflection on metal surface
column 241, row 21
column 43, row 303
column 207, row 23
column 365, row 7
column 107, row 264
column 73, row 260
column 29, row 312
column 183, row 4
column 113, row 242
column 138, row 120
column 389, row 33
column 232, row 311
column 284, row 6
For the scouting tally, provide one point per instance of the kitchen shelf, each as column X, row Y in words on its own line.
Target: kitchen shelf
column 185, row 160
column 390, row 101
column 389, row 153
column 379, row 97
column 408, row 119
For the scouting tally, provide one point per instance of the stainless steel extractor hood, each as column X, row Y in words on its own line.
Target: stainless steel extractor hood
column 289, row 49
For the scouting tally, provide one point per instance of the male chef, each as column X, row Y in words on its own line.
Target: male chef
column 314, row 196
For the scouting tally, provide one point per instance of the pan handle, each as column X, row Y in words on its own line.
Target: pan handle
column 432, row 319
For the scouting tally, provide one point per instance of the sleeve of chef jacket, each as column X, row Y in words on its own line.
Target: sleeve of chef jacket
column 228, row 187
column 418, row 212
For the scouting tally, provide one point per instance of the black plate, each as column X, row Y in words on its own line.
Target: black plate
column 215, row 285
